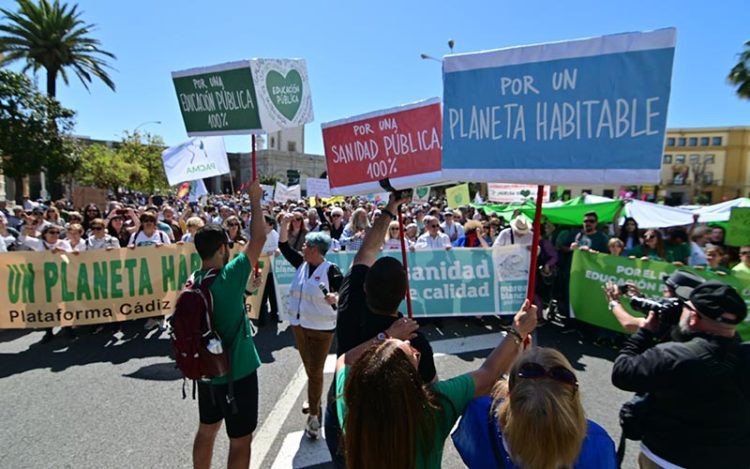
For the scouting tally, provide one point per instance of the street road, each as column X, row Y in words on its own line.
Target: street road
column 105, row 401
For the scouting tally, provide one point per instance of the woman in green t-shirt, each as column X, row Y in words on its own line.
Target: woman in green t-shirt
column 391, row 418
column 652, row 247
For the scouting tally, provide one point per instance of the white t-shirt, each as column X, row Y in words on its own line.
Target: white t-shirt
column 441, row 241
column 505, row 238
column 80, row 247
column 141, row 239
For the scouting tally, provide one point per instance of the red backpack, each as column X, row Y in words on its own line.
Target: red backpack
column 197, row 347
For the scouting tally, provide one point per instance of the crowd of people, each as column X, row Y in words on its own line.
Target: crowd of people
column 387, row 407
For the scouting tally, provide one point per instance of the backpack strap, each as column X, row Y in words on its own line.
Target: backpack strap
column 512, row 238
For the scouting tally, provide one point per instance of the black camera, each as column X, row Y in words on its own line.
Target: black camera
column 668, row 310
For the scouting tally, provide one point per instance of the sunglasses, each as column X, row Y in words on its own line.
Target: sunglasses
column 650, row 237
column 589, row 221
column 336, row 216
column 434, row 226
column 393, row 229
column 53, row 232
column 532, row 370
column 233, row 224
column 744, row 253
column 97, row 228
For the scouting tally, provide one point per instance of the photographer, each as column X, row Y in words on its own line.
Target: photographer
column 631, row 324
column 697, row 410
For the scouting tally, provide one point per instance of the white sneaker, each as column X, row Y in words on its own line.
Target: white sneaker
column 152, row 323
column 312, row 428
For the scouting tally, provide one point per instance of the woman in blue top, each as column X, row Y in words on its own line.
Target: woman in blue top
column 534, row 420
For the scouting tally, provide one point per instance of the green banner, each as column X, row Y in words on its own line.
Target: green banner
column 571, row 213
column 738, row 231
column 591, row 271
column 458, row 282
column 218, row 100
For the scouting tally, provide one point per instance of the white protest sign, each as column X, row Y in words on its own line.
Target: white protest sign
column 198, row 158
column 318, row 188
column 283, row 92
column 513, row 193
column 421, row 195
column 267, row 193
column 284, row 193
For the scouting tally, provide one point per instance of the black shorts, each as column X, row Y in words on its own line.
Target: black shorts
column 213, row 406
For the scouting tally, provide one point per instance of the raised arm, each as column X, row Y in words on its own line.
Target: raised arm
column 370, row 248
column 505, row 353
column 257, row 230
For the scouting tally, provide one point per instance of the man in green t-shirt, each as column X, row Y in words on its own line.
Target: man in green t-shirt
column 231, row 323
column 590, row 237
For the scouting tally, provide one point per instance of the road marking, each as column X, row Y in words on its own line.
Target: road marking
column 269, row 430
column 297, row 451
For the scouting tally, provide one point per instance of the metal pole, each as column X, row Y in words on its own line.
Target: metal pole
column 255, row 169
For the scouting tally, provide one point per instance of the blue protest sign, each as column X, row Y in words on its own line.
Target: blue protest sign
column 584, row 111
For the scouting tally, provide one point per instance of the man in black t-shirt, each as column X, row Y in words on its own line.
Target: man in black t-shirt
column 369, row 298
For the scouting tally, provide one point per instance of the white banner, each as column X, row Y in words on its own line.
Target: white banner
column 513, row 193
column 318, row 188
column 283, row 92
column 198, row 158
column 284, row 193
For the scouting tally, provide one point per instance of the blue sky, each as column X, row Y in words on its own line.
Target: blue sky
column 364, row 56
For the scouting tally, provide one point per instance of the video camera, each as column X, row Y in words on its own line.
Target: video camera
column 668, row 310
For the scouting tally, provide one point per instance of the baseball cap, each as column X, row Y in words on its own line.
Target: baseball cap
column 719, row 302
column 682, row 282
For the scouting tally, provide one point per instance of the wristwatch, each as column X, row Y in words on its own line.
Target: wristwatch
column 612, row 304
column 383, row 336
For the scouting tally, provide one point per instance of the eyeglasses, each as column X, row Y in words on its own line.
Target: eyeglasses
column 394, row 229
column 532, row 370
column 97, row 228
column 336, row 215
column 648, row 237
column 434, row 226
column 233, row 224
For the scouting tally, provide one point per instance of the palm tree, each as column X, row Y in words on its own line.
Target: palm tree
column 54, row 37
column 740, row 73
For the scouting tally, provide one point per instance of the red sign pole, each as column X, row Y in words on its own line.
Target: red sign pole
column 537, row 232
column 401, row 234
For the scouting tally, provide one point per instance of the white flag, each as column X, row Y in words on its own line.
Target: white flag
column 197, row 190
column 198, row 158
column 284, row 193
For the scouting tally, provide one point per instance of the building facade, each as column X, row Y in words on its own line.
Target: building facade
column 699, row 165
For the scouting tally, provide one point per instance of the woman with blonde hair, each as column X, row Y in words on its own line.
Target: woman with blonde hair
column 534, row 420
column 393, row 239
column 390, row 417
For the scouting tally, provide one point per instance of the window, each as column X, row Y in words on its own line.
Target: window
column 695, row 158
column 709, row 158
column 670, row 142
column 716, row 141
column 291, row 146
column 693, row 141
column 708, row 177
column 704, row 141
column 667, row 159
column 273, row 143
column 610, row 193
column 681, row 142
column 679, row 159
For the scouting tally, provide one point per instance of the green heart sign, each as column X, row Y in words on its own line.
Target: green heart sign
column 285, row 92
column 422, row 192
column 525, row 192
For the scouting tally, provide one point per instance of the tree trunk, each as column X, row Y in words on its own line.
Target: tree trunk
column 51, row 82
